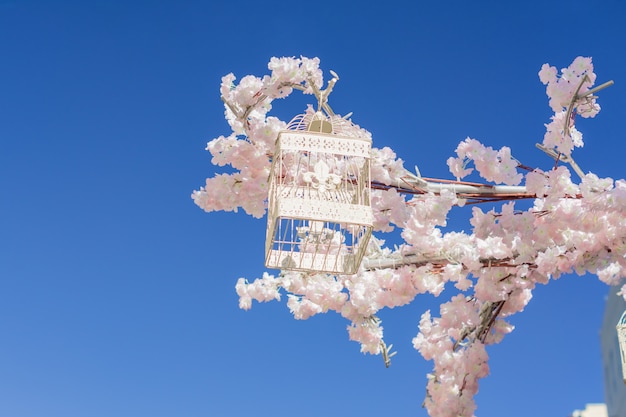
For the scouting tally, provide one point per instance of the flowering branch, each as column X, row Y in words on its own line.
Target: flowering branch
column 571, row 227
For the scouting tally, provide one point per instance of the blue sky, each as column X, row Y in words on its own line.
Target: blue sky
column 117, row 292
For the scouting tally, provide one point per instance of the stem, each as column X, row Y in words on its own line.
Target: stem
column 596, row 89
column 570, row 108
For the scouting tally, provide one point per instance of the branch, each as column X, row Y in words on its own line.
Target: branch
column 242, row 115
column 488, row 313
column 437, row 260
column 474, row 192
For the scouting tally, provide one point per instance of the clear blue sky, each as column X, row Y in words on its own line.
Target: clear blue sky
column 117, row 293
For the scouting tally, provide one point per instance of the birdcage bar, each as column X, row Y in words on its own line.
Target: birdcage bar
column 320, row 252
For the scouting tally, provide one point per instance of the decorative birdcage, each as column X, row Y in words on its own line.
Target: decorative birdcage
column 319, row 215
column 621, row 337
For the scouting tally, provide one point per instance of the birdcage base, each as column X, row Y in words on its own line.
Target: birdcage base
column 316, row 245
column 312, row 262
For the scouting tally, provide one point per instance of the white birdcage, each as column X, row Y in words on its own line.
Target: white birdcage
column 319, row 215
column 621, row 337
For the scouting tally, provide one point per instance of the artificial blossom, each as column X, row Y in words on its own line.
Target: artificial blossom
column 573, row 225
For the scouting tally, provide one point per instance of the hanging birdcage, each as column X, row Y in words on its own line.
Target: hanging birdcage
column 319, row 215
column 621, row 337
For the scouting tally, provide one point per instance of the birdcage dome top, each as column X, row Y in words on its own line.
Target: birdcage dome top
column 320, row 122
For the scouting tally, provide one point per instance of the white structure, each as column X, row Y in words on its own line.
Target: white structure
column 614, row 387
column 591, row 410
column 319, row 214
column 621, row 338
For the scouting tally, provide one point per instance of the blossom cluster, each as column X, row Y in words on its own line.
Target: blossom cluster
column 568, row 98
column 570, row 228
column 250, row 145
column 495, row 166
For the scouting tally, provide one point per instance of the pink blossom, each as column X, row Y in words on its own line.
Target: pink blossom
column 262, row 290
column 547, row 74
column 547, row 260
column 389, row 208
column 517, row 301
column 497, row 166
column 556, row 138
column 458, row 167
column 285, row 69
column 386, row 167
column 302, row 308
column 368, row 333
column 536, row 183
column 228, row 84
column 430, row 282
column 612, row 273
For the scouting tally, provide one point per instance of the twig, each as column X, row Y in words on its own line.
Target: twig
column 387, row 354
